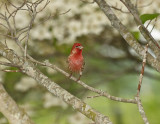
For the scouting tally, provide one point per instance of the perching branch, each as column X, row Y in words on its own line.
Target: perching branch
column 10, row 109
column 28, row 68
column 100, row 92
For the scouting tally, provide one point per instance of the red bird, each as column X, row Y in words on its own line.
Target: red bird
column 75, row 60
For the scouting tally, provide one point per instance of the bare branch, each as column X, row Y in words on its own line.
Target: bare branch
column 152, row 42
column 4, row 26
column 119, row 9
column 1, row 5
column 6, row 35
column 142, row 70
column 22, row 38
column 142, row 6
column 10, row 109
column 139, row 104
column 129, row 38
column 85, row 1
column 51, row 16
column 5, row 42
column 148, row 23
column 7, row 70
column 47, row 2
column 100, row 92
column 8, row 64
column 17, row 8
column 63, row 13
column 153, row 25
column 12, row 4
column 9, row 25
column 14, row 24
column 141, row 110
column 91, row 97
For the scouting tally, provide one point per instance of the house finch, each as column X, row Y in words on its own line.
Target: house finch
column 75, row 60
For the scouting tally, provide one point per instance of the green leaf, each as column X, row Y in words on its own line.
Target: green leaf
column 136, row 34
column 146, row 17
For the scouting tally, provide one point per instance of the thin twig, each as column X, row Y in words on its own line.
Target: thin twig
column 91, row 97
column 63, row 13
column 14, row 24
column 17, row 8
column 12, row 4
column 4, row 26
column 142, row 70
column 6, row 35
column 23, row 38
column 119, row 9
column 9, row 25
column 142, row 6
column 148, row 23
column 88, row 1
column 1, row 5
column 7, row 8
column 5, row 42
column 153, row 25
column 51, row 16
column 47, row 2
column 7, row 70
column 8, row 64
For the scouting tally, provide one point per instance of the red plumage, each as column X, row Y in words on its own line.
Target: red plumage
column 75, row 59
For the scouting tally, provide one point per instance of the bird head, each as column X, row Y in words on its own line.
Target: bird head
column 77, row 48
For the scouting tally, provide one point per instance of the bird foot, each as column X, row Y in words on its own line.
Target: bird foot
column 78, row 78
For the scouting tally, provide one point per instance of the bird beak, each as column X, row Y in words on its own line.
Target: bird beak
column 80, row 47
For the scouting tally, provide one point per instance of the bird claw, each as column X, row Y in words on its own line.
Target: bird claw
column 78, row 78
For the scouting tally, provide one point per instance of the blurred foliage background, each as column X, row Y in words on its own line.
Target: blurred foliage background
column 111, row 64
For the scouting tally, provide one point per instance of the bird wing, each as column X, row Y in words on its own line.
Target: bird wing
column 83, row 65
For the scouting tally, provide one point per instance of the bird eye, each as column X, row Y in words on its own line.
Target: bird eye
column 76, row 46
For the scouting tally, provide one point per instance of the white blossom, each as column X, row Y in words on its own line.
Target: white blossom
column 25, row 83
column 50, row 100
column 78, row 118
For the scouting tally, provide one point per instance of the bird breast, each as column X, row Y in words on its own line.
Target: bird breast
column 75, row 63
